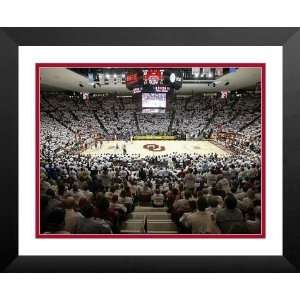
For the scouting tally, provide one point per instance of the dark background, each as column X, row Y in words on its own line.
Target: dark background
column 11, row 38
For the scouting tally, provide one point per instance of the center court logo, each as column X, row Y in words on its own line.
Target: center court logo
column 154, row 147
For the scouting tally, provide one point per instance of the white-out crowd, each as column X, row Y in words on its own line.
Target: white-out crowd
column 204, row 194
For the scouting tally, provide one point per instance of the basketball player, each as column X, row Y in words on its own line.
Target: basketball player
column 116, row 140
column 131, row 139
column 124, row 149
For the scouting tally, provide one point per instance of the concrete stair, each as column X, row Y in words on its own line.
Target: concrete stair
column 160, row 227
column 149, row 209
column 133, row 227
column 157, row 221
column 149, row 215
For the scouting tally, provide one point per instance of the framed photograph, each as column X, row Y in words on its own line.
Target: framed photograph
column 150, row 141
column 130, row 150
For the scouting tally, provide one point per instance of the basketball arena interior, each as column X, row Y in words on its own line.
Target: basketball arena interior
column 150, row 151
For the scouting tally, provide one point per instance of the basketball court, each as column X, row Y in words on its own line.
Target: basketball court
column 155, row 147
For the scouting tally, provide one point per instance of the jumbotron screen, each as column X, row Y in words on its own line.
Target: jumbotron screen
column 153, row 100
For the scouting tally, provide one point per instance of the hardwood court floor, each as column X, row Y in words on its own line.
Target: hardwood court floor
column 158, row 148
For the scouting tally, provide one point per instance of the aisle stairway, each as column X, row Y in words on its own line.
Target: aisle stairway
column 137, row 122
column 100, row 122
column 149, row 220
column 171, row 122
column 249, row 123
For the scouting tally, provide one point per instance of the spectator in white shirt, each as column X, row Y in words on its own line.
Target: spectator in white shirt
column 71, row 216
column 157, row 198
column 201, row 221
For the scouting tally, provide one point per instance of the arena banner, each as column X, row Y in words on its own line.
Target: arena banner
column 155, row 137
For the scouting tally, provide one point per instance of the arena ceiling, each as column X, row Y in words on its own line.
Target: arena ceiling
column 63, row 79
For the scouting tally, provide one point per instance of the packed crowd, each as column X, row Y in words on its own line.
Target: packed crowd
column 204, row 194
column 154, row 124
column 242, row 118
column 192, row 117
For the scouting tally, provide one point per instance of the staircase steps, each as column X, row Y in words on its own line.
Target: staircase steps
column 133, row 227
column 150, row 209
column 155, row 227
column 100, row 122
column 149, row 220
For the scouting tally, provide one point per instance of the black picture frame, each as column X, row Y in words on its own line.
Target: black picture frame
column 11, row 38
